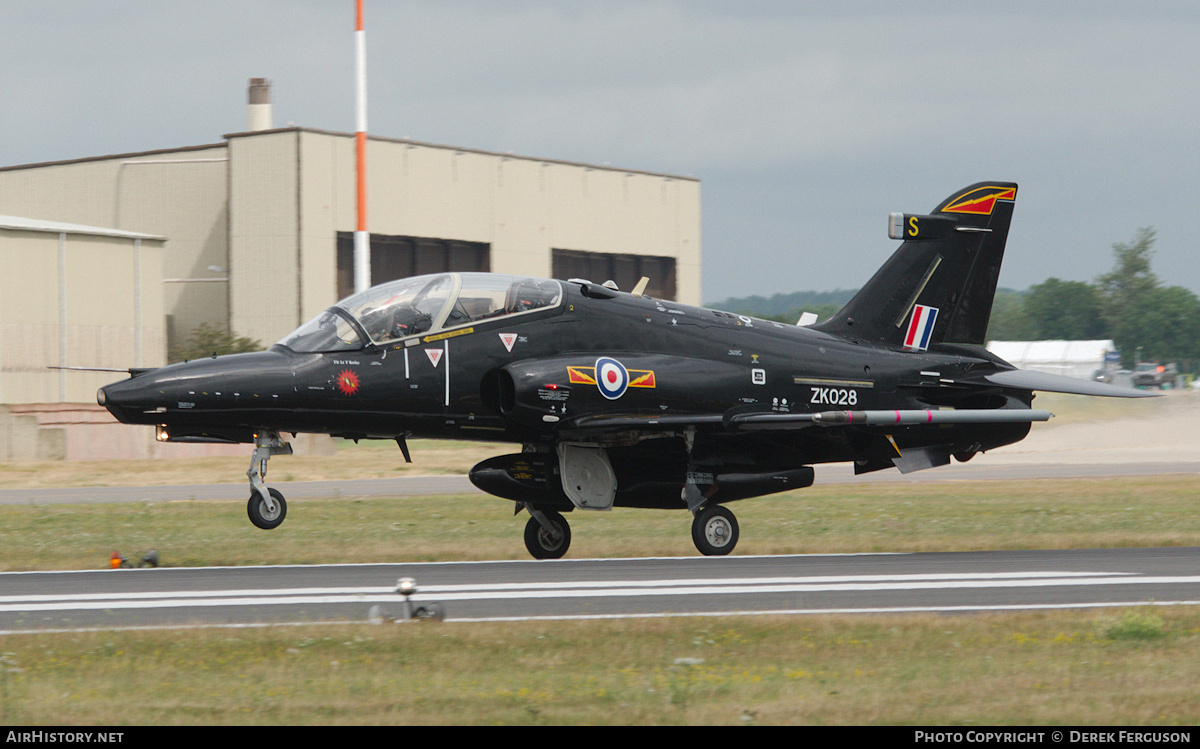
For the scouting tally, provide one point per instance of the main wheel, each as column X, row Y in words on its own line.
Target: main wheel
column 544, row 545
column 256, row 508
column 715, row 531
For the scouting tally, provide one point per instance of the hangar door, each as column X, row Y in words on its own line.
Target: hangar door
column 625, row 270
column 395, row 257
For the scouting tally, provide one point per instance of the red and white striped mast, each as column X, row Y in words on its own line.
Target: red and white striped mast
column 362, row 240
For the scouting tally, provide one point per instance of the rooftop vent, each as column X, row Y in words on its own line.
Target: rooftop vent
column 258, row 113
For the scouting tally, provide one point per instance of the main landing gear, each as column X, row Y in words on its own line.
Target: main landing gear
column 266, row 508
column 548, row 535
column 714, row 531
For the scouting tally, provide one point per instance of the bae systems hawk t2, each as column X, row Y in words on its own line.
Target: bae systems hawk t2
column 622, row 400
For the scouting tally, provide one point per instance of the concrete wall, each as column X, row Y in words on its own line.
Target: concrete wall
column 264, row 222
column 80, row 431
column 76, row 300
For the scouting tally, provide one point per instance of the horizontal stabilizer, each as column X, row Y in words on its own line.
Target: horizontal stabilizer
column 1052, row 383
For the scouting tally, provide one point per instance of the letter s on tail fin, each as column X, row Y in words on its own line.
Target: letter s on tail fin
column 938, row 287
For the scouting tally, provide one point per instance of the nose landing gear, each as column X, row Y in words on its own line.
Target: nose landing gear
column 266, row 507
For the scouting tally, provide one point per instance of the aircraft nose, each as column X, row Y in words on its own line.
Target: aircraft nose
column 131, row 400
column 116, row 393
column 197, row 387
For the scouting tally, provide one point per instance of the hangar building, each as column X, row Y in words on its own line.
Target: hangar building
column 274, row 210
column 255, row 233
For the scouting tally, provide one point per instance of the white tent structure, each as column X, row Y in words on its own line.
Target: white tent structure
column 1070, row 358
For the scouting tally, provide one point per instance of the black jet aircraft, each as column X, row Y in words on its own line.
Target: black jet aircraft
column 622, row 400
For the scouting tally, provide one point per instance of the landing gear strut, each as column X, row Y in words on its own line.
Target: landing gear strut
column 266, row 507
column 714, row 528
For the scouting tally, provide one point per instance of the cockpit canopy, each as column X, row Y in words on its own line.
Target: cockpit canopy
column 420, row 304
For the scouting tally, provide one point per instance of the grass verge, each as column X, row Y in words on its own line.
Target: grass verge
column 1023, row 669
column 942, row 516
column 367, row 460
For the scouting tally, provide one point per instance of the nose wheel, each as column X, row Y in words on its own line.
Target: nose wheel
column 714, row 531
column 264, row 514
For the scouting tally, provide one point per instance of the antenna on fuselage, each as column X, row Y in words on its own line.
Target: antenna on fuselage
column 640, row 289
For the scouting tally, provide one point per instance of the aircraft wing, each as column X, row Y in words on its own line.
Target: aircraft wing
column 739, row 422
column 1052, row 383
column 883, row 417
column 760, row 421
column 650, row 423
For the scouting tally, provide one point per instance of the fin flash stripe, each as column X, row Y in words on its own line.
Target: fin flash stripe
column 980, row 201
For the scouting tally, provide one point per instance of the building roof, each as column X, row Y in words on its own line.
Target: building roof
column 16, row 223
column 461, row 149
column 1071, row 358
column 295, row 129
column 1051, row 352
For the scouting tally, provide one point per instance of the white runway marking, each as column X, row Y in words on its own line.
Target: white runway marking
column 582, row 589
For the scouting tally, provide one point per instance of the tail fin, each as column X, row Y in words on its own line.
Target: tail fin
column 938, row 287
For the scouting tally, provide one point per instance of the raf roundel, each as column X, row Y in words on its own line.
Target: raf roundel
column 611, row 377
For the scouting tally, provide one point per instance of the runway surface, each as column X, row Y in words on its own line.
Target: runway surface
column 605, row 588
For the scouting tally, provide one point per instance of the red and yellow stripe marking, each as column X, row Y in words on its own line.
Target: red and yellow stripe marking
column 980, row 201
column 638, row 378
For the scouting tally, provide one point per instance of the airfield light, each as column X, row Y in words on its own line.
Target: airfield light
column 406, row 586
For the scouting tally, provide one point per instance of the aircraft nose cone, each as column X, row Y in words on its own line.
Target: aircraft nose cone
column 125, row 399
column 196, row 390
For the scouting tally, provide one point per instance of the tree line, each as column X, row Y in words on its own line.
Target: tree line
column 1146, row 320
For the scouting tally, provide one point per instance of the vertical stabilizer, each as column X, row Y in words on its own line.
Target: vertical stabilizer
column 938, row 287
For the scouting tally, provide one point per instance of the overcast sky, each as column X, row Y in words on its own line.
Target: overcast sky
column 806, row 122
